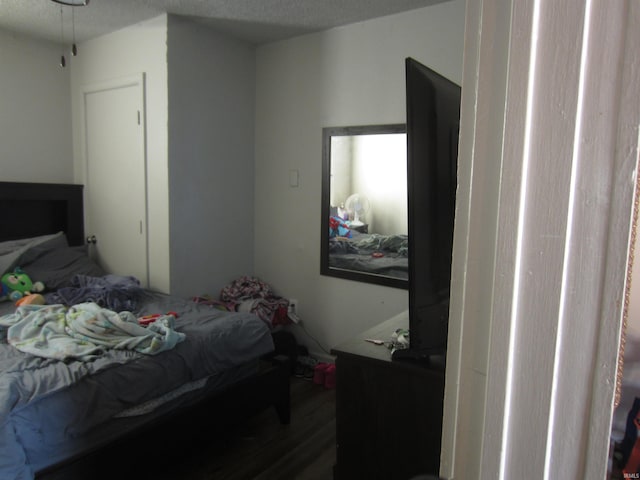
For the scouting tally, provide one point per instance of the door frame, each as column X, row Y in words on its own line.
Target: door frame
column 548, row 160
column 137, row 80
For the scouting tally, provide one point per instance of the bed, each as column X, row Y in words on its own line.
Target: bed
column 61, row 403
column 377, row 254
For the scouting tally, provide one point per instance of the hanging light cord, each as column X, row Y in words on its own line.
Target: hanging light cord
column 63, row 61
column 74, row 49
column 72, row 4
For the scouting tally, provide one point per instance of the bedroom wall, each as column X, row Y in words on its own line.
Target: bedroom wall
column 211, row 129
column 352, row 75
column 35, row 112
column 380, row 173
column 132, row 50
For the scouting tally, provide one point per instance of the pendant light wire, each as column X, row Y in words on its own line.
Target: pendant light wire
column 63, row 61
column 74, row 49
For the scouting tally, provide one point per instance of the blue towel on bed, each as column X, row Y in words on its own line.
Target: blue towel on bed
column 84, row 331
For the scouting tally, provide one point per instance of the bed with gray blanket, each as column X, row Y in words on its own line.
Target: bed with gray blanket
column 385, row 255
column 105, row 358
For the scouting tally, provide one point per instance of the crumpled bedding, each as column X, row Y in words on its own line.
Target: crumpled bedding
column 385, row 243
column 115, row 292
column 384, row 255
column 250, row 294
column 368, row 243
column 85, row 331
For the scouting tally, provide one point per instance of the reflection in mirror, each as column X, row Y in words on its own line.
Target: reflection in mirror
column 364, row 204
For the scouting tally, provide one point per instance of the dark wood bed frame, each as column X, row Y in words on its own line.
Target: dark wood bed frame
column 32, row 209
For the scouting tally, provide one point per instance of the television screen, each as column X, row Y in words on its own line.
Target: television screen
column 433, row 117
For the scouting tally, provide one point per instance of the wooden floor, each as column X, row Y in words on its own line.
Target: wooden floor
column 260, row 448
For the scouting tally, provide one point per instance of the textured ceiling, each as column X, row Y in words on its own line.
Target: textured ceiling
column 256, row 21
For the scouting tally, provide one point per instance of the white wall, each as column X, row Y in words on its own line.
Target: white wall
column 136, row 49
column 35, row 112
column 380, row 166
column 374, row 166
column 352, row 75
column 211, row 130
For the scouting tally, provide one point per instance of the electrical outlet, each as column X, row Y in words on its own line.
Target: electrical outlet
column 292, row 312
column 293, row 305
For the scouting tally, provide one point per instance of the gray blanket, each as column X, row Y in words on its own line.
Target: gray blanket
column 115, row 292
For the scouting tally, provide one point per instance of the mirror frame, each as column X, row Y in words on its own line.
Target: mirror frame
column 325, row 269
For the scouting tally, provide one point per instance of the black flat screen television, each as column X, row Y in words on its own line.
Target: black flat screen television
column 433, row 120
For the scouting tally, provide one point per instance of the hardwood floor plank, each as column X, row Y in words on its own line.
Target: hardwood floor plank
column 303, row 456
column 264, row 449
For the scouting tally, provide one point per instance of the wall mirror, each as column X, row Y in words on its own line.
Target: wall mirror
column 364, row 204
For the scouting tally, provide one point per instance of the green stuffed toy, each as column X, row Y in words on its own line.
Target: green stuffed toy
column 17, row 284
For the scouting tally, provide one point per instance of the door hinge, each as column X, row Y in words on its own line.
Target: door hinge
column 138, row 117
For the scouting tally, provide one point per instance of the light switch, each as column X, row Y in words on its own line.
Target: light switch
column 293, row 178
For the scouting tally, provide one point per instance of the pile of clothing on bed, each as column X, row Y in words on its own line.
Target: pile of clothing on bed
column 250, row 294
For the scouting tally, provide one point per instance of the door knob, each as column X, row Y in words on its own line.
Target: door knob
column 91, row 239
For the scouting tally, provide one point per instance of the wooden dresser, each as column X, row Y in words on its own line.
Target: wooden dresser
column 388, row 412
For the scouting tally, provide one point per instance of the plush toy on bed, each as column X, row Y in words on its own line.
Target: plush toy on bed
column 17, row 284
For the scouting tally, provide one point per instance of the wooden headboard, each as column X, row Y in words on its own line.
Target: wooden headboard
column 32, row 209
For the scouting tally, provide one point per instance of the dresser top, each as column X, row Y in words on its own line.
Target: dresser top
column 359, row 346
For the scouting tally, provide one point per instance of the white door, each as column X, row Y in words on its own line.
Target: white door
column 115, row 185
